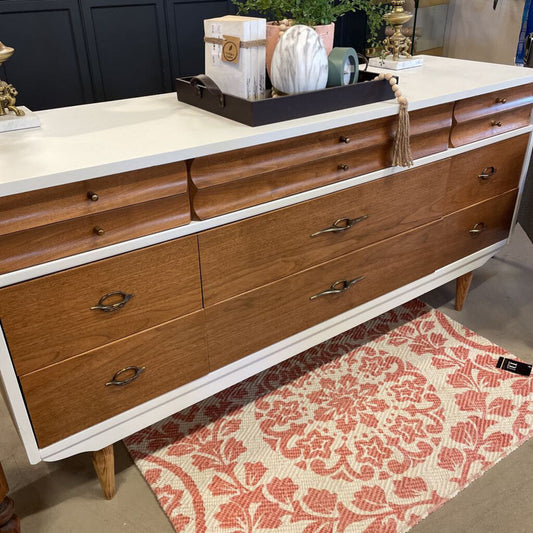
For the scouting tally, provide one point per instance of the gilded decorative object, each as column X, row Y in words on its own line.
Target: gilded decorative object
column 397, row 44
column 8, row 93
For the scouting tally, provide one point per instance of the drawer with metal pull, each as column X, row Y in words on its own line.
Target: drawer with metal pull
column 52, row 241
column 490, row 114
column 250, row 253
column 67, row 397
column 466, row 231
column 253, row 320
column 63, row 202
column 234, row 180
column 54, row 317
column 481, row 174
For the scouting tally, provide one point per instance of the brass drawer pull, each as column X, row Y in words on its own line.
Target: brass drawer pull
column 501, row 100
column 343, row 167
column 341, row 224
column 92, row 196
column 496, row 123
column 98, row 231
column 119, row 383
column 101, row 306
column 344, row 139
column 487, row 173
column 339, row 286
column 477, row 229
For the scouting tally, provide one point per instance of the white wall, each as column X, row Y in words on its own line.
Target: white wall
column 475, row 31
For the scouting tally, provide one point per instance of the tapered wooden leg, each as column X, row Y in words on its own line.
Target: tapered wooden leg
column 462, row 284
column 9, row 522
column 104, row 464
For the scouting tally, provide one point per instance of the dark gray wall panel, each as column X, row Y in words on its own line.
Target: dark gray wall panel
column 72, row 52
column 186, row 28
column 127, row 44
column 49, row 67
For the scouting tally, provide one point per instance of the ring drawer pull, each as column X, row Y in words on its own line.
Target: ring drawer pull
column 339, row 286
column 119, row 383
column 343, row 167
column 487, row 173
column 344, row 139
column 341, row 224
column 477, row 229
column 101, row 306
column 92, row 196
column 98, row 231
column 496, row 123
column 501, row 100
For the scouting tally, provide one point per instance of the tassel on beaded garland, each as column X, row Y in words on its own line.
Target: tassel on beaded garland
column 401, row 148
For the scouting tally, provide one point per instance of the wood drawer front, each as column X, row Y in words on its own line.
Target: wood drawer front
column 48, row 319
column 481, row 174
column 250, row 253
column 65, row 398
column 38, row 245
column 488, row 126
column 493, row 103
column 46, row 206
column 234, row 180
column 455, row 239
column 221, row 168
column 241, row 325
column 235, row 195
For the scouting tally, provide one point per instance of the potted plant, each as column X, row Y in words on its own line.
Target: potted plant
column 320, row 14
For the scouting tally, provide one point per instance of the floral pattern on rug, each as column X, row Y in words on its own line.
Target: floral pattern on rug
column 367, row 432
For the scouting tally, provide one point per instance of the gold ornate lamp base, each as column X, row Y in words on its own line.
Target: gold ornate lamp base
column 397, row 44
column 8, row 93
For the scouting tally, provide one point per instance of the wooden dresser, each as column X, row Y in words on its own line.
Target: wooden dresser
column 152, row 254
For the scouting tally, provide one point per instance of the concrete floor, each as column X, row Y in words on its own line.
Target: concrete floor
column 65, row 496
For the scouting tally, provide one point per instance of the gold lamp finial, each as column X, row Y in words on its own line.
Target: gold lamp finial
column 8, row 93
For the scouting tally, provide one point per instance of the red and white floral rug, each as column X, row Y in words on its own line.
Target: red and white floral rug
column 368, row 432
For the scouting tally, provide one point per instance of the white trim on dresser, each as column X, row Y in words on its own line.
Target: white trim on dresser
column 101, row 139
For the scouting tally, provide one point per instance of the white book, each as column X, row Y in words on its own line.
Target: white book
column 257, row 59
column 261, row 58
column 232, row 78
column 253, row 57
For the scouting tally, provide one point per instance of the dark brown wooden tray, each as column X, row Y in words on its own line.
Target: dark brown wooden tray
column 270, row 110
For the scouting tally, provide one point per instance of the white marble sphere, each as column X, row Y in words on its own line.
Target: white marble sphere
column 299, row 61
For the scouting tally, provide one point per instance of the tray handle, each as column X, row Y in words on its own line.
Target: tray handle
column 201, row 81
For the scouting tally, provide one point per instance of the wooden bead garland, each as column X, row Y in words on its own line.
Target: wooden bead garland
column 401, row 150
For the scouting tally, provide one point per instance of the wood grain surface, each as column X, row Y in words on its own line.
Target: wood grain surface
column 231, row 196
column 67, row 397
column 53, row 204
column 234, row 180
column 246, row 254
column 489, row 125
column 45, row 243
column 465, row 187
column 455, row 240
column 9, row 521
column 49, row 319
column 462, row 284
column 493, row 103
column 104, row 466
column 241, row 325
